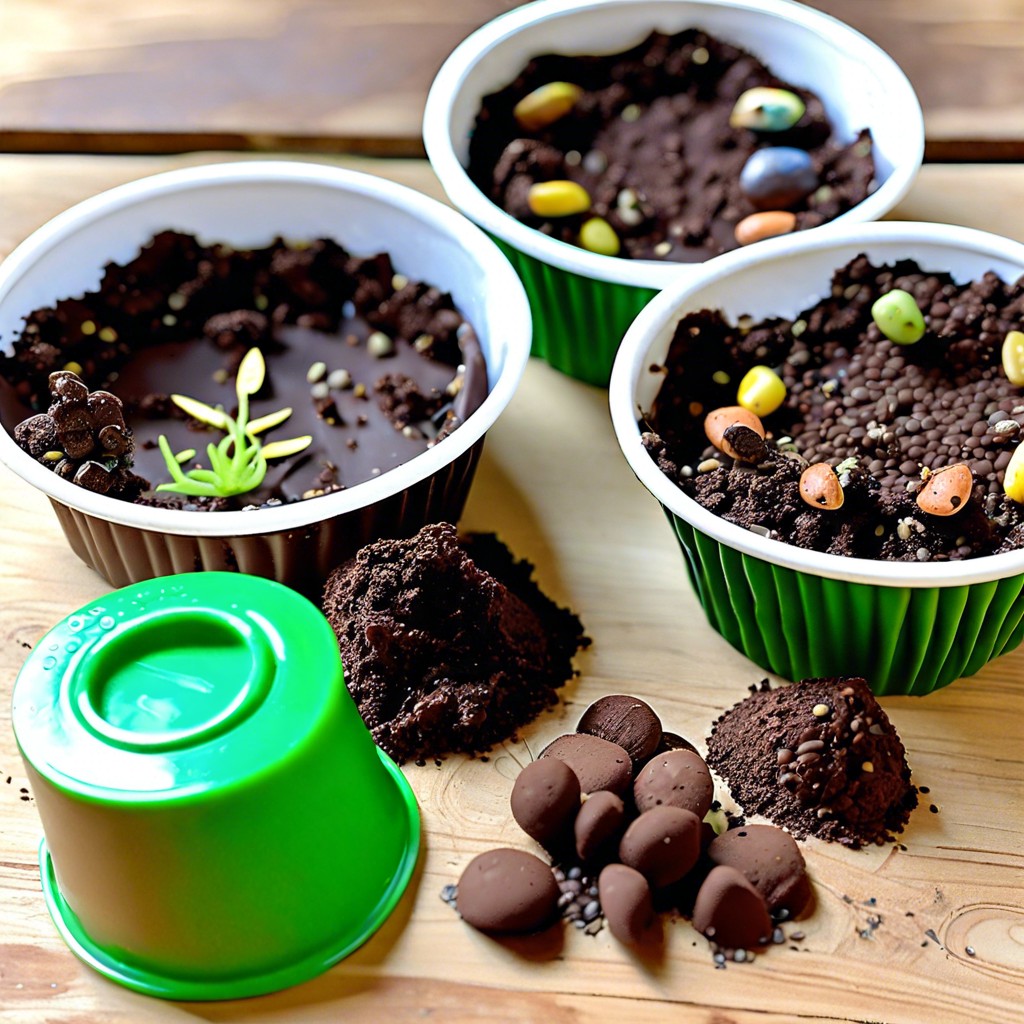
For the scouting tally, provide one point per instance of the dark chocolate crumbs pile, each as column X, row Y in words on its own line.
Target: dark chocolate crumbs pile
column 880, row 412
column 819, row 757
column 447, row 643
column 651, row 143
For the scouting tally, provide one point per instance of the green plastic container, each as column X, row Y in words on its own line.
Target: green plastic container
column 583, row 302
column 218, row 821
column 907, row 628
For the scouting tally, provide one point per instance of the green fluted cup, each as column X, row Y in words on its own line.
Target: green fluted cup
column 907, row 628
column 218, row 822
column 583, row 302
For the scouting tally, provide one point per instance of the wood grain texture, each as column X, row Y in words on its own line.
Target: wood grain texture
column 553, row 485
column 114, row 75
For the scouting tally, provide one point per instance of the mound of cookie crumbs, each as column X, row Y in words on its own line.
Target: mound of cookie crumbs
column 819, row 757
column 447, row 643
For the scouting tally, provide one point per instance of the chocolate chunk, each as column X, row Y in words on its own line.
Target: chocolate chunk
column 68, row 388
column 748, row 444
column 627, row 904
column 663, row 844
column 37, row 435
column 730, row 911
column 597, row 763
column 507, row 891
column 678, row 778
column 106, row 409
column 599, row 824
column 770, row 860
column 94, row 476
column 627, row 721
column 545, row 799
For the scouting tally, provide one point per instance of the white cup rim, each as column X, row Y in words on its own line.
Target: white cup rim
column 651, row 274
column 494, row 268
column 633, row 357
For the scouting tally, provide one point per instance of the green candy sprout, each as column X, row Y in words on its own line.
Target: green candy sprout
column 238, row 463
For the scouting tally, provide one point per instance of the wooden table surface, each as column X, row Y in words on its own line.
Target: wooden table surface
column 563, row 498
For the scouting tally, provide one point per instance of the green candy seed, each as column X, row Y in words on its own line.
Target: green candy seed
column 764, row 109
column 599, row 236
column 898, row 317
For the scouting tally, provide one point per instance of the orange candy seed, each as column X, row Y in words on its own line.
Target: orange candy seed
column 764, row 225
column 820, row 487
column 718, row 421
column 946, row 491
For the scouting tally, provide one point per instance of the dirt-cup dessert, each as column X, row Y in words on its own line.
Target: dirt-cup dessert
column 253, row 366
column 832, row 425
column 602, row 144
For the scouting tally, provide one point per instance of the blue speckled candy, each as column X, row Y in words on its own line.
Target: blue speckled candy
column 776, row 177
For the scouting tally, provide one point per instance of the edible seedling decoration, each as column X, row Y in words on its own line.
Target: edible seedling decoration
column 238, row 463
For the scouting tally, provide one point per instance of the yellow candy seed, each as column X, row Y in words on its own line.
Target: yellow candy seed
column 1013, row 357
column 761, row 391
column 599, row 236
column 546, row 105
column 1013, row 477
column 557, row 199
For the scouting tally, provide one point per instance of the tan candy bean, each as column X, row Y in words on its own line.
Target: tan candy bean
column 718, row 421
column 764, row 225
column 545, row 105
column 820, row 487
column 1013, row 476
column 946, row 491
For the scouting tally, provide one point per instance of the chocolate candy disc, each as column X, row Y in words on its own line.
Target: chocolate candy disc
column 597, row 763
column 545, row 799
column 507, row 891
column 627, row 721
column 776, row 177
column 770, row 860
column 730, row 911
column 627, row 903
column 678, row 778
column 662, row 844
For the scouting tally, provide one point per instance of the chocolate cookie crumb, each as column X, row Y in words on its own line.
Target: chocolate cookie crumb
column 448, row 644
column 819, row 757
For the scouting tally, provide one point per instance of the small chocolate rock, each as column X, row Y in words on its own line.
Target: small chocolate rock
column 627, row 903
column 68, row 387
column 545, row 799
column 598, row 824
column 662, row 844
column 598, row 764
column 730, row 911
column 627, row 721
column 37, row 435
column 678, row 778
column 748, row 445
column 770, row 860
column 507, row 891
column 94, row 476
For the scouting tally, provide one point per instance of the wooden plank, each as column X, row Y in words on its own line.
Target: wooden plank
column 553, row 485
column 177, row 75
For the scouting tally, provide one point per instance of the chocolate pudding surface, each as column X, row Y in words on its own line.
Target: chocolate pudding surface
column 885, row 416
column 650, row 141
column 374, row 367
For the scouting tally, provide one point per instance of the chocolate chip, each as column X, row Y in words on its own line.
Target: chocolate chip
column 627, row 721
column 598, row 764
column 730, row 911
column 507, row 891
column 628, row 904
column 545, row 799
column 663, row 844
column 678, row 778
column 746, row 443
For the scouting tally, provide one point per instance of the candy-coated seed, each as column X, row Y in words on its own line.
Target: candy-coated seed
column 764, row 225
column 778, row 176
column 946, row 491
column 599, row 236
column 546, row 105
column 761, row 391
column 1013, row 477
column 1013, row 357
column 557, row 198
column 820, row 487
column 765, row 109
column 718, row 421
column 898, row 317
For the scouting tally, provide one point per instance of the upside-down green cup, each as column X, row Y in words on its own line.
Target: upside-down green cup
column 907, row 628
column 218, row 821
column 582, row 302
